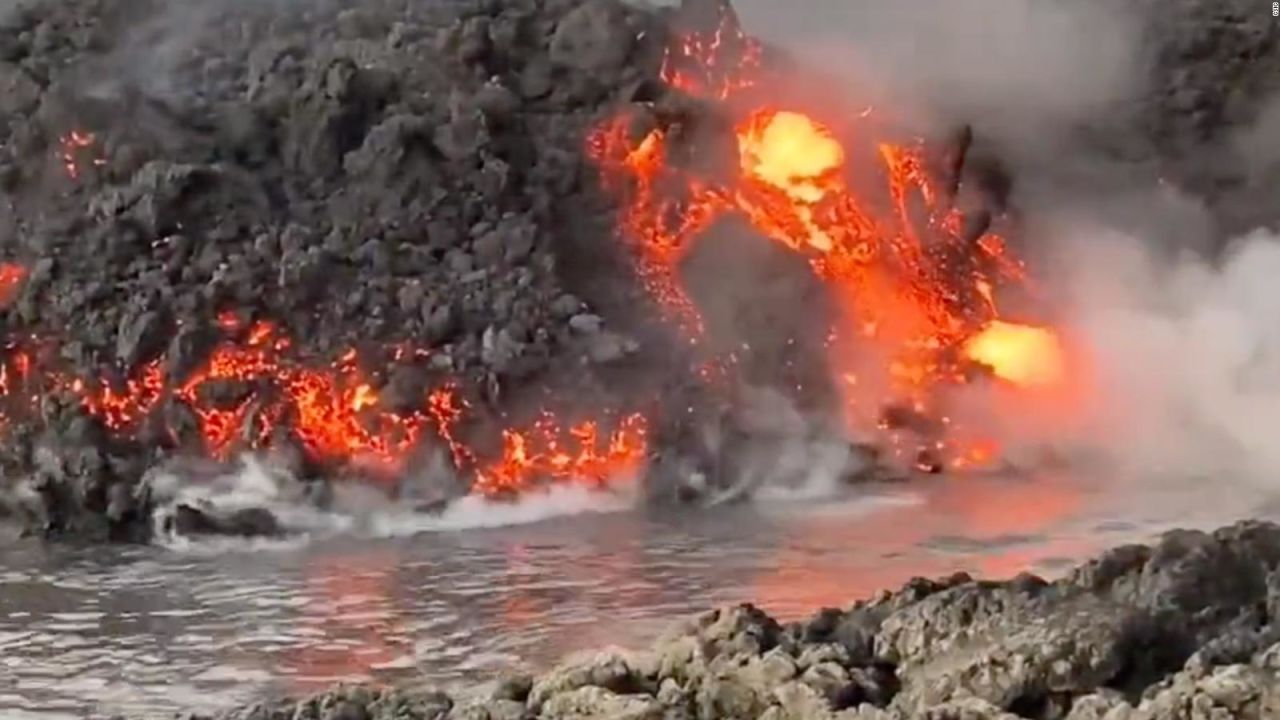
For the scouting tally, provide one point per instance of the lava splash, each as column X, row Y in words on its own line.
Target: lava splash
column 916, row 280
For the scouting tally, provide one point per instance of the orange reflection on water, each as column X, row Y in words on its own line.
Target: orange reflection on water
column 605, row 580
column 352, row 621
column 992, row 528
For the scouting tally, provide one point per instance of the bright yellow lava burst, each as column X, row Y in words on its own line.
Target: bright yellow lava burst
column 1024, row 355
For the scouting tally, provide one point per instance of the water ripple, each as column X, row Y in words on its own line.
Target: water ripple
column 150, row 631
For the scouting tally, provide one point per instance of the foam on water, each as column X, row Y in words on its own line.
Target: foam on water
column 356, row 508
column 475, row 512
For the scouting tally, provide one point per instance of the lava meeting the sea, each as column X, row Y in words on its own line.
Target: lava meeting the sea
column 916, row 289
column 335, row 413
column 915, row 284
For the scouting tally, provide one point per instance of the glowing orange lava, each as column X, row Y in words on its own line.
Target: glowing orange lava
column 791, row 152
column 121, row 407
column 1024, row 355
column 552, row 452
column 249, row 389
column 913, row 286
column 334, row 412
column 903, row 275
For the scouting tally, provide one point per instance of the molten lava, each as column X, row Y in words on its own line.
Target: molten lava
column 793, row 155
column 249, row 391
column 912, row 282
column 915, row 290
column 791, row 152
column 552, row 452
column 715, row 62
column 1020, row 354
column 11, row 277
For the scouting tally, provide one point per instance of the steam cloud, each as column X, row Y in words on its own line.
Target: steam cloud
column 1186, row 354
column 1183, row 349
column 1022, row 69
column 1175, row 327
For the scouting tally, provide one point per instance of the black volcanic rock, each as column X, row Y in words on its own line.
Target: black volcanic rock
column 392, row 174
column 1140, row 633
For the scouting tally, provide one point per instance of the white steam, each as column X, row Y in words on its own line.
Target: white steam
column 355, row 509
column 1185, row 355
column 1181, row 340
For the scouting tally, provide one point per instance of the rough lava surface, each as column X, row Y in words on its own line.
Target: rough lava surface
column 1185, row 629
column 376, row 176
column 369, row 177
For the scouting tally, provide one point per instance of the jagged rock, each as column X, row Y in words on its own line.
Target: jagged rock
column 610, row 671
column 141, row 338
column 607, row 347
column 290, row 173
column 188, row 520
column 401, row 174
column 597, row 703
column 951, row 649
column 593, row 38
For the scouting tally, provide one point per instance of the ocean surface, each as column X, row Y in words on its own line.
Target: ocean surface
column 151, row 631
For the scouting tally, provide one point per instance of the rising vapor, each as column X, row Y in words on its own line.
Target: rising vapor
column 1172, row 324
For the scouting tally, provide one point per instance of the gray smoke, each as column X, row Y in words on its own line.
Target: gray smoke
column 1022, row 70
column 1175, row 323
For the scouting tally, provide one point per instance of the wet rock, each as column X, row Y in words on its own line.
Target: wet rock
column 949, row 649
column 514, row 687
column 612, row 672
column 348, row 710
column 188, row 520
column 592, row 703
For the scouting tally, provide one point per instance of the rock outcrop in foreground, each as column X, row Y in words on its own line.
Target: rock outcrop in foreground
column 1186, row 628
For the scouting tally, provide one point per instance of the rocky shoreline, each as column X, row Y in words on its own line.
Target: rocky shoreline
column 1186, row 628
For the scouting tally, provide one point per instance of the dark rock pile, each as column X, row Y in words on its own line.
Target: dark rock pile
column 364, row 175
column 1212, row 68
column 1185, row 629
column 387, row 172
column 370, row 176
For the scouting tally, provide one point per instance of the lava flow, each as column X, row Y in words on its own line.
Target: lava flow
column 1023, row 355
column 248, row 391
column 544, row 452
column 916, row 288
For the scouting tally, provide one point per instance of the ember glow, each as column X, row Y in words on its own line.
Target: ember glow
column 11, row 277
column 122, row 407
column 74, row 149
column 916, row 292
column 553, row 452
column 337, row 414
column 334, row 412
column 788, row 159
column 717, row 63
column 1021, row 354
column 915, row 288
column 249, row 391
